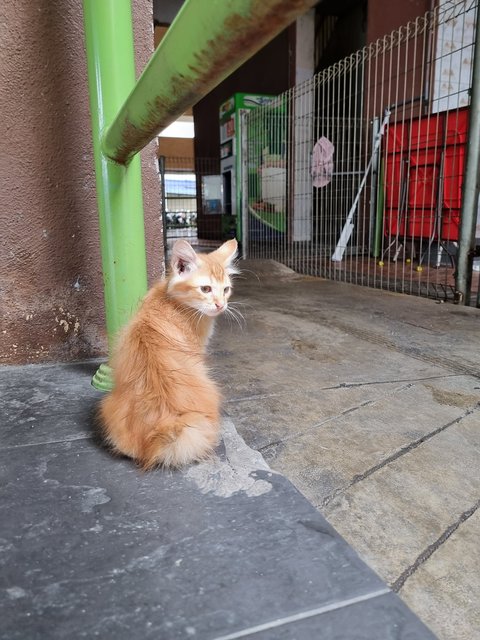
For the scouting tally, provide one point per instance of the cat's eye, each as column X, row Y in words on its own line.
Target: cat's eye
column 226, row 290
column 206, row 289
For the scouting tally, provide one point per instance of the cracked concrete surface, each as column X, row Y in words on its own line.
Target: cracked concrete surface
column 370, row 403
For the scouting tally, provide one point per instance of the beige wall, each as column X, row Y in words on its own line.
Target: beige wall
column 51, row 292
column 175, row 147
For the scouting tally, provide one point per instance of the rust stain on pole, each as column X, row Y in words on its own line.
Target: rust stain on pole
column 167, row 94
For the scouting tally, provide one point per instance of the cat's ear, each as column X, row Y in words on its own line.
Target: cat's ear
column 184, row 258
column 227, row 254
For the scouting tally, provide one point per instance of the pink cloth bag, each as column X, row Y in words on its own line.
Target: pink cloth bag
column 322, row 162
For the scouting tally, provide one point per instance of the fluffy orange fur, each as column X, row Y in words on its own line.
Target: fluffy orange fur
column 164, row 408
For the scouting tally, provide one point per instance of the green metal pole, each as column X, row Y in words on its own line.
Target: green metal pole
column 111, row 76
column 208, row 40
column 471, row 186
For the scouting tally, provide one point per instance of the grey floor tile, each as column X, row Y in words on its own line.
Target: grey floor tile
column 92, row 544
column 381, row 618
column 92, row 547
column 39, row 403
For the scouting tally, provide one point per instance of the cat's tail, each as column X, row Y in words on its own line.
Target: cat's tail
column 192, row 438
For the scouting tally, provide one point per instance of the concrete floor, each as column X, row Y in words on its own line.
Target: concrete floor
column 369, row 402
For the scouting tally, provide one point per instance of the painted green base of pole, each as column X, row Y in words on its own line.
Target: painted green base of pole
column 111, row 77
column 103, row 379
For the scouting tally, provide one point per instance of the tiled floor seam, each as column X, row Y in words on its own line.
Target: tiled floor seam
column 411, row 352
column 304, row 615
column 430, row 550
column 346, row 412
column 398, row 454
column 7, row 368
column 346, row 385
column 46, row 442
column 352, row 385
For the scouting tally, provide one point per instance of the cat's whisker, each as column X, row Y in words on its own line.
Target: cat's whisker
column 240, row 321
column 197, row 314
column 237, row 303
column 243, row 270
column 237, row 316
column 229, row 318
column 197, row 317
column 232, row 307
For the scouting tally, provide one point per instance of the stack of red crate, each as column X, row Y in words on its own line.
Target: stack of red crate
column 424, row 167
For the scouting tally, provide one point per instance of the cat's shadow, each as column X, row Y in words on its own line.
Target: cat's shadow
column 86, row 367
column 94, row 429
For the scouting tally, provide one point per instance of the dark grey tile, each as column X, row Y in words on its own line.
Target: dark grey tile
column 382, row 618
column 40, row 403
column 91, row 547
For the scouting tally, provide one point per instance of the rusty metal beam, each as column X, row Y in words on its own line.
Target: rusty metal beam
column 205, row 44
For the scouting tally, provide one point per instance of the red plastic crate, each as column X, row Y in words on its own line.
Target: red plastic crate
column 393, row 182
column 451, row 225
column 427, row 132
column 396, row 138
column 457, row 127
column 427, row 145
column 422, row 187
column 421, row 224
column 394, row 224
column 453, row 172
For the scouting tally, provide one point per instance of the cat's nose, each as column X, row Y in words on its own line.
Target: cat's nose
column 219, row 305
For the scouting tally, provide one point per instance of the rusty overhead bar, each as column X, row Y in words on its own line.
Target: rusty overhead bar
column 206, row 42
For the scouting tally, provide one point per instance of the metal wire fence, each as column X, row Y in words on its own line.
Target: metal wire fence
column 356, row 174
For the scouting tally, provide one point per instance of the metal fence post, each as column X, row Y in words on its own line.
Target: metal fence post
column 111, row 77
column 244, row 182
column 374, row 228
column 471, row 185
column 163, row 195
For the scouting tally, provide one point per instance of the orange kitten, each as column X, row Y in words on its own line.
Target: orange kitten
column 164, row 408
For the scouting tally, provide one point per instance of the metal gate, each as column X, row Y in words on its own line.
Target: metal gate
column 356, row 174
column 191, row 200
